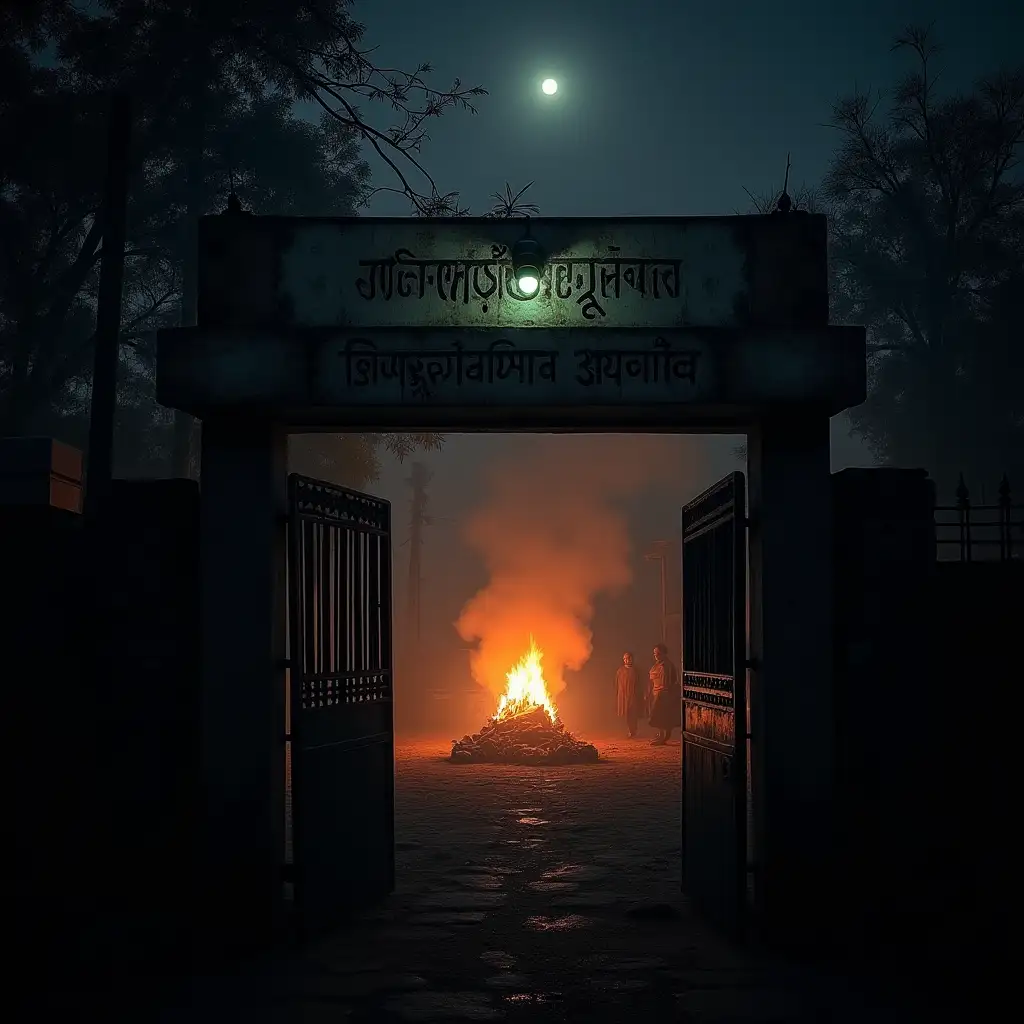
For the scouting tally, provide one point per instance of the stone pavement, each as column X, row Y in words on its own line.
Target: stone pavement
column 540, row 894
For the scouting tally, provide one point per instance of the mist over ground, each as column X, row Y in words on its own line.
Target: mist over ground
column 544, row 533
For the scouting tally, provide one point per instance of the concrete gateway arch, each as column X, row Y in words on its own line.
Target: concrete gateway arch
column 376, row 324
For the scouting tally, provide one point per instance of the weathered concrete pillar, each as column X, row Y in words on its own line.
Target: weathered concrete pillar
column 243, row 502
column 792, row 721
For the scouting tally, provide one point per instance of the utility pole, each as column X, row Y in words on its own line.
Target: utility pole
column 658, row 552
column 103, row 407
column 418, row 518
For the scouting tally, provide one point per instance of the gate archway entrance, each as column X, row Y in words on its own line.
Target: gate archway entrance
column 673, row 324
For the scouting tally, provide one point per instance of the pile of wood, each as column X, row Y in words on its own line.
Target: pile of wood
column 529, row 738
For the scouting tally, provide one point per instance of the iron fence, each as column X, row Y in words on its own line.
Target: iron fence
column 969, row 532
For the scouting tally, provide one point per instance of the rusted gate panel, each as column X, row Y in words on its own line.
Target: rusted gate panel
column 714, row 840
column 340, row 700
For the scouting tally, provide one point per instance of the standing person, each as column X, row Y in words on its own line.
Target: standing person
column 665, row 696
column 628, row 695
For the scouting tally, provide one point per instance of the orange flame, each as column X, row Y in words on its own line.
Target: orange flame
column 526, row 688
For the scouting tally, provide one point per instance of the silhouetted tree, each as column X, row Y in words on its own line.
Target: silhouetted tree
column 352, row 459
column 927, row 211
column 215, row 89
column 926, row 207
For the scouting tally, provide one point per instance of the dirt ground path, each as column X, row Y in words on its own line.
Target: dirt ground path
column 533, row 894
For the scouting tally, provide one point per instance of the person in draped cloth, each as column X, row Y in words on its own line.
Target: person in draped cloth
column 628, row 694
column 665, row 696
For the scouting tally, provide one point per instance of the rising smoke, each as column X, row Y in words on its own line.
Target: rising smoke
column 553, row 539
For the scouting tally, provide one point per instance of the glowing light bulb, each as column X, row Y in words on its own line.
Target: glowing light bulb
column 528, row 284
column 549, row 86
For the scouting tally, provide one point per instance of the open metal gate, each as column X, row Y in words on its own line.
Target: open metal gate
column 340, row 700
column 714, row 843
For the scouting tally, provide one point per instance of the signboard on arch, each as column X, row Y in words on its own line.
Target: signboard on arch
column 458, row 273
column 385, row 323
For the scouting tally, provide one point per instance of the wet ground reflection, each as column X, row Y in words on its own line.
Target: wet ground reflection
column 564, row 923
column 532, row 998
column 576, row 872
column 528, row 894
column 551, row 886
column 496, row 958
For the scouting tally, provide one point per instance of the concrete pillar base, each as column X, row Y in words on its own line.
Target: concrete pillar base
column 791, row 691
column 243, row 505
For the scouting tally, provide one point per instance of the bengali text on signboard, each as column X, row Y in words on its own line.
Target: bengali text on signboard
column 514, row 368
column 590, row 284
column 413, row 371
column 594, row 274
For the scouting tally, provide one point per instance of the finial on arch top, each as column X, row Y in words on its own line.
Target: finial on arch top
column 234, row 206
column 784, row 204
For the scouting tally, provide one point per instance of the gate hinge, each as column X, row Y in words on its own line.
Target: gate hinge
column 752, row 663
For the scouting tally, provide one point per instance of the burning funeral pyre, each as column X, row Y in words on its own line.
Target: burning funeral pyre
column 526, row 728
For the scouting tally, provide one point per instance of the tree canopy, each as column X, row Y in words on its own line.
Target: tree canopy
column 217, row 90
column 925, row 201
column 927, row 205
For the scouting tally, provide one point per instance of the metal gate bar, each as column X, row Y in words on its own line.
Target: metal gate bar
column 714, row 768
column 340, row 701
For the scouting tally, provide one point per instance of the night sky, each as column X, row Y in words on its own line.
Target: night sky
column 665, row 107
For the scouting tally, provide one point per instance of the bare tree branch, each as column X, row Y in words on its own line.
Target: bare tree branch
column 345, row 74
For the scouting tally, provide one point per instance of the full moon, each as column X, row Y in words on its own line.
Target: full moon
column 550, row 86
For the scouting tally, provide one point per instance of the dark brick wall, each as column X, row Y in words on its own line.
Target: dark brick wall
column 884, row 566
column 924, row 666
column 101, row 691
column 977, row 611
column 145, row 660
column 49, row 720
